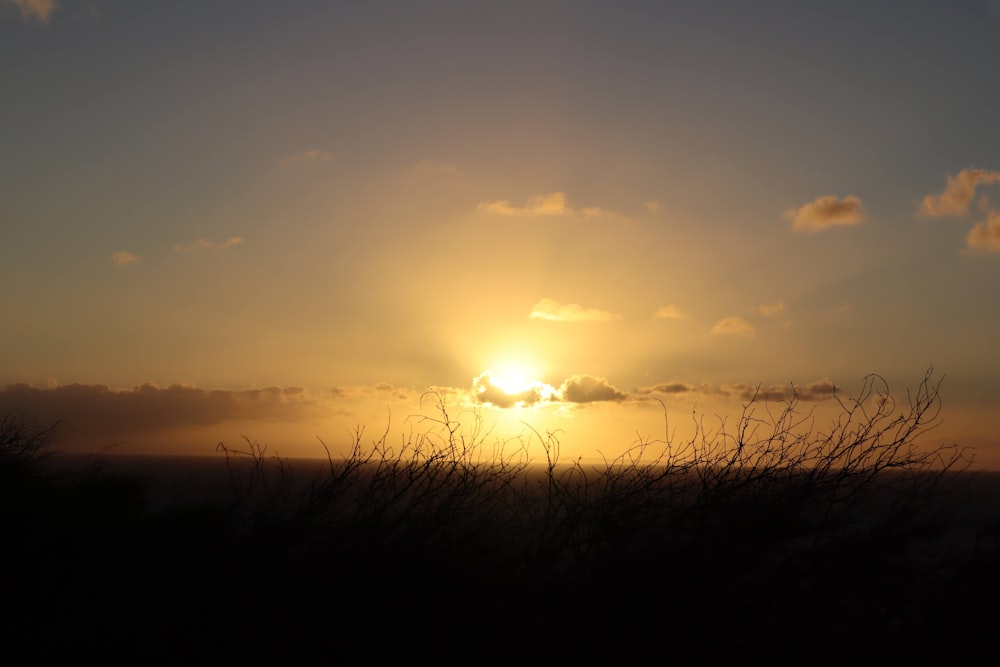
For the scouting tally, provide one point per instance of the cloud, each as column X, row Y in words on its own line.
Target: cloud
column 550, row 205
column 652, row 206
column 576, row 389
column 583, row 388
column 825, row 212
column 670, row 312
column 589, row 389
column 312, row 156
column 771, row 309
column 665, row 388
column 434, row 168
column 205, row 244
column 733, row 326
column 958, row 193
column 485, row 391
column 39, row 10
column 985, row 236
column 122, row 258
column 744, row 392
column 552, row 311
column 379, row 390
column 553, row 204
column 814, row 391
column 101, row 409
column 597, row 213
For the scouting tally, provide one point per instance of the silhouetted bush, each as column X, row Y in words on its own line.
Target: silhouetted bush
column 776, row 532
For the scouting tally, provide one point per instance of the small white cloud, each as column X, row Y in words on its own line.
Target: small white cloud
column 958, row 193
column 552, row 311
column 771, row 309
column 550, row 205
column 985, row 236
column 540, row 205
column 670, row 312
column 206, row 244
column 825, row 212
column 122, row 258
column 39, row 10
column 312, row 156
column 733, row 326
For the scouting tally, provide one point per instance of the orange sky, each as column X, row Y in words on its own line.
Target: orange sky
column 288, row 220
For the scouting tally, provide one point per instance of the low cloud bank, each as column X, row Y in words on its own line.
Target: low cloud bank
column 818, row 390
column 98, row 408
column 583, row 389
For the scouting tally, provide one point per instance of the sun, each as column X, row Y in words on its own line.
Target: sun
column 514, row 377
column 513, row 380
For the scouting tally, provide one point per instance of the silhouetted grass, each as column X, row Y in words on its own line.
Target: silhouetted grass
column 777, row 536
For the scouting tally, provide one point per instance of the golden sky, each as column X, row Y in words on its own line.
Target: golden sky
column 286, row 220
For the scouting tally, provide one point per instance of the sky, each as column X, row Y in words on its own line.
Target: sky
column 290, row 221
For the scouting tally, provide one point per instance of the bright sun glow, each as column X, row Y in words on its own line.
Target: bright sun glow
column 513, row 384
column 513, row 377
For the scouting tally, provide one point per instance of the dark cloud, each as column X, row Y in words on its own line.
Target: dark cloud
column 814, row 391
column 589, row 389
column 665, row 388
column 99, row 408
column 745, row 392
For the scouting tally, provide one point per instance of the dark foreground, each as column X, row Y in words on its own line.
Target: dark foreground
column 157, row 561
